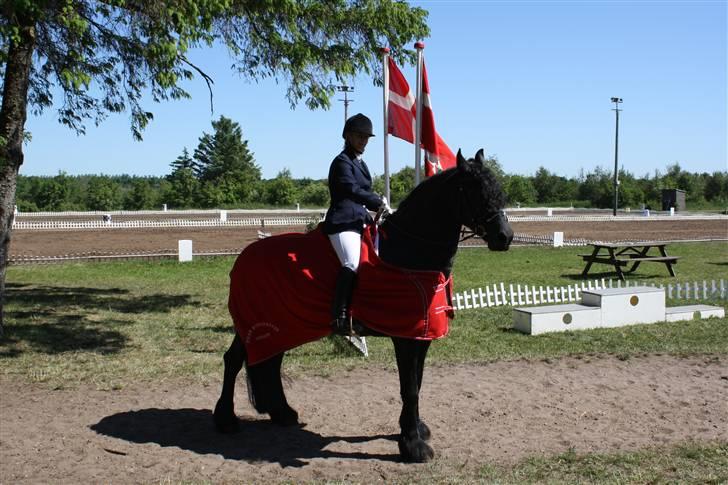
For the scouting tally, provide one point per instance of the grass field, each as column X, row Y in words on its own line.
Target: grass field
column 109, row 324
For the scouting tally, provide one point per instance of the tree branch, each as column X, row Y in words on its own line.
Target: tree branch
column 205, row 76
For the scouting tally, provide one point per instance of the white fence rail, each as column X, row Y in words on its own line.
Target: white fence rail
column 181, row 212
column 90, row 225
column 520, row 295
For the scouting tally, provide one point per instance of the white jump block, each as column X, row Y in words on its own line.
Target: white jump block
column 693, row 312
column 627, row 306
column 556, row 318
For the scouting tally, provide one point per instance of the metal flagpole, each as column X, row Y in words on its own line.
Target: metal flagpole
column 418, row 119
column 385, row 110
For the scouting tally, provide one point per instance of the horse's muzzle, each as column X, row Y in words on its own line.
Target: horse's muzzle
column 499, row 233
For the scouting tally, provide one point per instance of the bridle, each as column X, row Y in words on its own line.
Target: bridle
column 476, row 227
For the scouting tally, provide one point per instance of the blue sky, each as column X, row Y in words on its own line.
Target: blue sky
column 529, row 81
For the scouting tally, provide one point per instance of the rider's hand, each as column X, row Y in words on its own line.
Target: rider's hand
column 384, row 207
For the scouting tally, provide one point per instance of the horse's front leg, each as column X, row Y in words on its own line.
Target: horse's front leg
column 413, row 433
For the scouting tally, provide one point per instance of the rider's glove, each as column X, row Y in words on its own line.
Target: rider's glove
column 384, row 207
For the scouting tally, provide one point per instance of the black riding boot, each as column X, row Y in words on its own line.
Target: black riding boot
column 342, row 298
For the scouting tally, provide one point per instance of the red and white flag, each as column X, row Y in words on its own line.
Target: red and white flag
column 401, row 106
column 438, row 155
column 402, row 110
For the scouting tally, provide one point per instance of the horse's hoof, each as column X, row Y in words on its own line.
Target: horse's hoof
column 225, row 420
column 415, row 451
column 284, row 417
column 423, row 430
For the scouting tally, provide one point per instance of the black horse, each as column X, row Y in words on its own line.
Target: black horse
column 423, row 234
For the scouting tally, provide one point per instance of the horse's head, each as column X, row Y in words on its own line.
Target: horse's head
column 482, row 203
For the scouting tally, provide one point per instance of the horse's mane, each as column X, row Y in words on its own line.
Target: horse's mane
column 475, row 174
column 424, row 231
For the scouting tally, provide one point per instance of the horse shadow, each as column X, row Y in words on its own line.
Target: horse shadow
column 257, row 441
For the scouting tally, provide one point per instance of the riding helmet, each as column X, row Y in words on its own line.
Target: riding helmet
column 358, row 124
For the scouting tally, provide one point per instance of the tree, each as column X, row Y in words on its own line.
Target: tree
column 598, row 188
column 141, row 196
column 281, row 190
column 182, row 189
column 519, row 190
column 400, row 184
column 184, row 161
column 316, row 194
column 716, row 187
column 103, row 194
column 494, row 165
column 224, row 158
column 105, row 57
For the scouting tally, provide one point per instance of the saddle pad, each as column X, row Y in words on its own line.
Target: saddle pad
column 282, row 288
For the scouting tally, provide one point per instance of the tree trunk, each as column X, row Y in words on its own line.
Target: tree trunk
column 12, row 127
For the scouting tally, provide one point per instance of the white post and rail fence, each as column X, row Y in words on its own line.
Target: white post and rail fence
column 502, row 294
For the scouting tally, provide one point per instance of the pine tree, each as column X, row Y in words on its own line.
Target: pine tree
column 184, row 161
column 224, row 159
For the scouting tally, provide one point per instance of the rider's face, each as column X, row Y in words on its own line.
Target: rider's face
column 358, row 141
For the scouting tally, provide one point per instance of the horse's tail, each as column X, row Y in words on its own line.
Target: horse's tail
column 249, row 385
column 263, row 379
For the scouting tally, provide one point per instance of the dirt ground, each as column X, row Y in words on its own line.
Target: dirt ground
column 498, row 413
column 127, row 241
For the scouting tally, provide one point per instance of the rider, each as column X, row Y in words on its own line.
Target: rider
column 350, row 187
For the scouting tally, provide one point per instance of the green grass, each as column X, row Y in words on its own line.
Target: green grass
column 686, row 463
column 112, row 323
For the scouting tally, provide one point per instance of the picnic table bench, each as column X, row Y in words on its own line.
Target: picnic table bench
column 625, row 254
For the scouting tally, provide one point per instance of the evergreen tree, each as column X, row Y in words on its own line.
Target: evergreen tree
column 182, row 191
column 184, row 161
column 141, row 196
column 224, row 159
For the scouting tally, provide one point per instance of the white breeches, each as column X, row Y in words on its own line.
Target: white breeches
column 347, row 245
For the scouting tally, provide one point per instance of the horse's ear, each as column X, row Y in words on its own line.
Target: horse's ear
column 462, row 163
column 480, row 156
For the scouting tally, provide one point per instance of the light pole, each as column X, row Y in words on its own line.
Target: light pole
column 346, row 90
column 616, row 102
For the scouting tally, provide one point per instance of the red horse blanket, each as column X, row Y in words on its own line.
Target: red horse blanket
column 282, row 288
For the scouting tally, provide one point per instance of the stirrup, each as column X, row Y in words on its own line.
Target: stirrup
column 342, row 325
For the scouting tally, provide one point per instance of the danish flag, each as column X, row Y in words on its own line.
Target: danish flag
column 402, row 115
column 401, row 107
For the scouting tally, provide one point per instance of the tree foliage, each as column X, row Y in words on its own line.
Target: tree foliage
column 95, row 58
column 105, row 56
column 184, row 161
column 181, row 189
column 223, row 159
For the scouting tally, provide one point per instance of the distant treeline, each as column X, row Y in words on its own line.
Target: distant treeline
column 183, row 190
column 222, row 173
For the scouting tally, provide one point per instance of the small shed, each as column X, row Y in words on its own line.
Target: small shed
column 673, row 198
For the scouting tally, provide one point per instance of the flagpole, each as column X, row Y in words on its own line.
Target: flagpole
column 385, row 111
column 418, row 119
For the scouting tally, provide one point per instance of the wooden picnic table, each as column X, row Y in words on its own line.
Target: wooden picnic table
column 625, row 254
